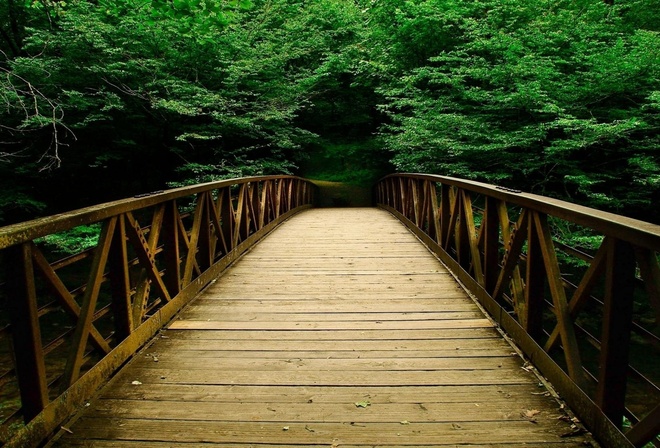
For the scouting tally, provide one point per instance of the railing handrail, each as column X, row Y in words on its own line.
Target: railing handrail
column 22, row 232
column 632, row 230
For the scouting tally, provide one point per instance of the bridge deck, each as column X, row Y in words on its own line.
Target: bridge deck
column 340, row 329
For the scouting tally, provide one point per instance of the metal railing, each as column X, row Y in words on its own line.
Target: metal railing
column 67, row 323
column 587, row 317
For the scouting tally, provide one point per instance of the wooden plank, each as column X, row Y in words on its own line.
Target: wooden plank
column 294, row 362
column 325, row 394
column 257, row 316
column 314, row 412
column 270, row 344
column 401, row 353
column 408, row 299
column 328, row 378
column 332, row 305
column 207, row 324
column 563, row 443
column 303, row 273
column 415, row 434
column 331, row 335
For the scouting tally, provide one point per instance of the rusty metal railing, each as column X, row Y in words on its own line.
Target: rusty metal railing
column 587, row 317
column 69, row 323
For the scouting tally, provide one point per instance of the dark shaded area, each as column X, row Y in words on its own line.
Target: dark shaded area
column 339, row 194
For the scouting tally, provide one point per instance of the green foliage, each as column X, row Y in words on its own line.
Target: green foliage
column 556, row 98
column 156, row 91
column 195, row 173
column 560, row 98
column 17, row 202
column 72, row 241
column 357, row 162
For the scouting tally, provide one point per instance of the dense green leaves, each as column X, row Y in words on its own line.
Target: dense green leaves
column 167, row 91
column 553, row 97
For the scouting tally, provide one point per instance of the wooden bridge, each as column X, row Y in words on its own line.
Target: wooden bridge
column 339, row 329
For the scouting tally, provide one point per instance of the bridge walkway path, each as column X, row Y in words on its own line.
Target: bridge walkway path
column 339, row 330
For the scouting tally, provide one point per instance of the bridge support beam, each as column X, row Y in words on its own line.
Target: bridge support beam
column 617, row 324
column 26, row 336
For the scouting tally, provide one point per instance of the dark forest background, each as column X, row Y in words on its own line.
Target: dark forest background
column 103, row 99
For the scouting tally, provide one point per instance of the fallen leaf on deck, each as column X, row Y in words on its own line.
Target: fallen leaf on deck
column 285, row 428
column 136, row 382
column 530, row 415
column 362, row 404
column 405, row 422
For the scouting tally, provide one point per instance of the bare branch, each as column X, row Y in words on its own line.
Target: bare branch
column 54, row 119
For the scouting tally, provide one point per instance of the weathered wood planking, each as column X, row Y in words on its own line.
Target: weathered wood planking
column 338, row 309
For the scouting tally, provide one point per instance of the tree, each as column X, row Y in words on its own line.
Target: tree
column 555, row 98
column 168, row 91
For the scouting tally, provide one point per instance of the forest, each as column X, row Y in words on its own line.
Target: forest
column 103, row 99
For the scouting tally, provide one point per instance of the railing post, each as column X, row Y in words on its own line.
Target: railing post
column 253, row 198
column 289, row 194
column 243, row 216
column 227, row 218
column 445, row 214
column 535, row 276
column 402, row 194
column 416, row 202
column 278, row 198
column 172, row 277
column 617, row 324
column 205, row 241
column 26, row 335
column 263, row 209
column 120, row 282
column 432, row 212
column 462, row 235
column 491, row 243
